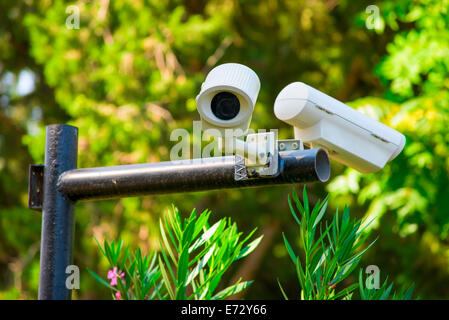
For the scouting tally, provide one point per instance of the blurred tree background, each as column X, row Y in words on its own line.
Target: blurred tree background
column 129, row 75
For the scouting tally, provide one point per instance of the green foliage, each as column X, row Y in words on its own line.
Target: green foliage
column 192, row 260
column 130, row 74
column 331, row 253
column 383, row 292
column 416, row 71
column 141, row 275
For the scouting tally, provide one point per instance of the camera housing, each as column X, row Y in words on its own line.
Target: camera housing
column 227, row 99
column 349, row 136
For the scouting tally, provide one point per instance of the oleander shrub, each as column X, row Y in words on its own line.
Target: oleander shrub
column 331, row 251
column 192, row 260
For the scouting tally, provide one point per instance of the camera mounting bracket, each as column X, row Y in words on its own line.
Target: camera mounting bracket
column 258, row 156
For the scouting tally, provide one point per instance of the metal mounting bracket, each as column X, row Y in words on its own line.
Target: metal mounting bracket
column 36, row 187
column 267, row 151
column 288, row 145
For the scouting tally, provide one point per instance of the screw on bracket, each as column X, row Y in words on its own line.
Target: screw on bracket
column 36, row 187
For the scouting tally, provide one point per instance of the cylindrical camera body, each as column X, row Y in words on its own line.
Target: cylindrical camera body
column 227, row 98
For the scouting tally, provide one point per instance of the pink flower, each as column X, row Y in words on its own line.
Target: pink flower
column 118, row 295
column 114, row 274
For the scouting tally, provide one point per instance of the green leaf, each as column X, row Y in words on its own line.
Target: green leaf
column 282, row 290
column 249, row 248
column 323, row 257
column 293, row 211
column 386, row 293
column 201, row 264
column 167, row 246
column 103, row 282
column 206, row 236
column 100, row 247
column 231, row 290
column 289, row 249
column 346, row 291
column 167, row 283
column 320, row 215
column 306, row 201
column 408, row 293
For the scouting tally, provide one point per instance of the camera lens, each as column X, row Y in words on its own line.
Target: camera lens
column 225, row 106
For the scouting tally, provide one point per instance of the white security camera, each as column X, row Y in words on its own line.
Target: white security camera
column 227, row 99
column 349, row 136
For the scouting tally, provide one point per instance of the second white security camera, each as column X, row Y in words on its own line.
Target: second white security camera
column 227, row 99
column 349, row 136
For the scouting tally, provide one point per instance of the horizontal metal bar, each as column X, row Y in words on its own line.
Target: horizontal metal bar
column 187, row 176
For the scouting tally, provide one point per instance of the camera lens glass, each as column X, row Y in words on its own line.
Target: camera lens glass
column 225, row 106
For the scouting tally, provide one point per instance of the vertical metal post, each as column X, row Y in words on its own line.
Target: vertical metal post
column 61, row 149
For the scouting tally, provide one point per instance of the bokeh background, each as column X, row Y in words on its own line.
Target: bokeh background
column 129, row 75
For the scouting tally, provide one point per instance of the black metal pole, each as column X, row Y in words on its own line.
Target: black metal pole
column 61, row 148
column 64, row 184
column 187, row 176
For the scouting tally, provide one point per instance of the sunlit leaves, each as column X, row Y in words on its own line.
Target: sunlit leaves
column 193, row 259
column 331, row 250
column 415, row 70
column 384, row 292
